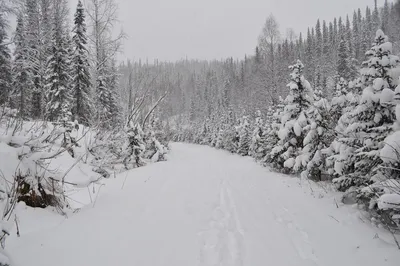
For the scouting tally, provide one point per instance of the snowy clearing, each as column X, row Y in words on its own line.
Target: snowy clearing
column 203, row 207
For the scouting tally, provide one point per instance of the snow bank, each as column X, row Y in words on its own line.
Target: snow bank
column 389, row 201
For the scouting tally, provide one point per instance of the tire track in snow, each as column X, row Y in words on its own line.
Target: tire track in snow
column 222, row 242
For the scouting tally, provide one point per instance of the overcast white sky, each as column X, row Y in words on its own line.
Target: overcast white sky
column 215, row 29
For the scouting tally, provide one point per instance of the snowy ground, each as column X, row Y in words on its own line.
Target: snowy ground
column 203, row 207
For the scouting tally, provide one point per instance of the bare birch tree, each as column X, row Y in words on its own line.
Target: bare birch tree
column 104, row 45
column 267, row 42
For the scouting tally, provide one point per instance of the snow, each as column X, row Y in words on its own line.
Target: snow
column 386, row 96
column 203, row 207
column 283, row 133
column 390, row 153
column 389, row 201
column 378, row 84
column 297, row 129
column 387, row 47
column 398, row 113
column 4, row 260
column 380, row 34
column 289, row 163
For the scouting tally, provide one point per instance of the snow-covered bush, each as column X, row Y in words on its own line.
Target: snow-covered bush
column 29, row 151
column 154, row 150
column 134, row 147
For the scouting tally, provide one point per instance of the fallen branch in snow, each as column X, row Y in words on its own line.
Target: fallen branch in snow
column 76, row 184
column 98, row 192
column 90, row 195
column 334, row 218
column 337, row 205
column 395, row 239
column 123, row 184
column 16, row 223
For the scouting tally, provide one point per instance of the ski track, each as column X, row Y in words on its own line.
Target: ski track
column 222, row 242
column 203, row 207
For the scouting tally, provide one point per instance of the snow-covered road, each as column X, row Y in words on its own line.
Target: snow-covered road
column 205, row 207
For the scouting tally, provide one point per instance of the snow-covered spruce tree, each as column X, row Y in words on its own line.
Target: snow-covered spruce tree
column 219, row 143
column 102, row 17
column 293, row 122
column 214, row 128
column 387, row 192
column 390, row 153
column 345, row 63
column 103, row 105
column 58, row 79
column 382, row 196
column 274, row 117
column 81, row 84
column 33, row 46
column 205, row 134
column 114, row 97
column 44, row 51
column 244, row 132
column 339, row 101
column 373, row 118
column 318, row 138
column 5, row 63
column 230, row 136
column 340, row 154
column 214, row 136
column 107, row 108
column 21, row 95
column 338, row 116
column 258, row 138
column 134, row 148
